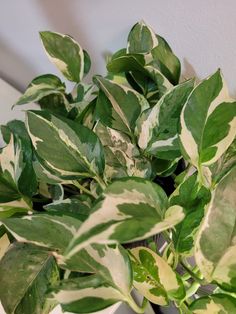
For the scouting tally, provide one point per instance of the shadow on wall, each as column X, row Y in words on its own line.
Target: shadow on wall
column 188, row 71
column 11, row 62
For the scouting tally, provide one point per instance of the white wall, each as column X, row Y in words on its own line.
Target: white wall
column 202, row 33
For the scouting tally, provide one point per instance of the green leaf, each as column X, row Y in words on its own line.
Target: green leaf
column 163, row 167
column 69, row 150
column 121, row 105
column 87, row 62
column 8, row 188
column 193, row 198
column 165, row 60
column 82, row 94
column 55, row 103
column 56, row 232
column 41, row 87
column 111, row 279
column 85, row 294
column 154, row 278
column 46, row 230
column 224, row 165
column 66, row 54
column 17, row 158
column 77, row 206
column 216, row 303
column 157, row 128
column 126, row 62
column 161, row 83
column 206, row 132
column 119, row 216
column 56, row 192
column 23, row 288
column 121, row 156
column 215, row 249
column 44, row 173
column 151, row 81
column 17, row 174
column 8, row 209
column 112, row 263
column 141, row 39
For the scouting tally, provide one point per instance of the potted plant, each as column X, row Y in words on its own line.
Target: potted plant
column 117, row 161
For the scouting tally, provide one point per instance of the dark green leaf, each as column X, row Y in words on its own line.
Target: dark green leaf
column 69, row 149
column 193, row 198
column 66, row 54
column 23, row 287
column 165, row 60
column 40, row 87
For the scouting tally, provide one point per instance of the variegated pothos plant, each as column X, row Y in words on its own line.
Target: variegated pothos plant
column 136, row 153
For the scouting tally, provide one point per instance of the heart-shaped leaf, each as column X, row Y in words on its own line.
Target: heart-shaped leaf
column 66, row 54
column 154, row 278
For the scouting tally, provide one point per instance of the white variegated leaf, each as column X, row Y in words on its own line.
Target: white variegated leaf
column 224, row 164
column 16, row 167
column 166, row 61
column 11, row 159
column 10, row 208
column 141, row 39
column 121, row 104
column 87, row 294
column 24, row 288
column 111, row 263
column 208, row 122
column 16, row 162
column 77, row 206
column 160, row 80
column 154, row 278
column 55, row 232
column 119, row 215
column 44, row 174
column 40, row 87
column 31, row 229
column 215, row 249
column 157, row 128
column 110, row 280
column 121, row 155
column 134, row 64
column 214, row 304
column 68, row 149
column 65, row 53
column 194, row 199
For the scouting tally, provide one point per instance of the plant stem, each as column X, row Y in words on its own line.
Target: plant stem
column 144, row 303
column 67, row 274
column 134, row 306
column 187, row 276
column 192, row 289
column 82, row 188
column 101, row 182
column 172, row 248
column 193, row 275
column 184, row 308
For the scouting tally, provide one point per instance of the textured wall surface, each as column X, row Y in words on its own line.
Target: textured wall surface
column 202, row 33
